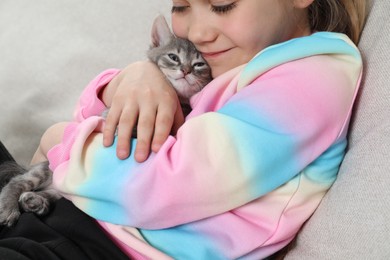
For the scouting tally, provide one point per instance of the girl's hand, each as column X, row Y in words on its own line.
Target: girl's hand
column 140, row 93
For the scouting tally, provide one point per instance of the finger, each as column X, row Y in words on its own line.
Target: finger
column 163, row 126
column 126, row 125
column 145, row 129
column 111, row 126
column 113, row 115
column 178, row 120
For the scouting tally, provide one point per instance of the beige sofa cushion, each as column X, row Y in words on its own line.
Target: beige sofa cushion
column 352, row 221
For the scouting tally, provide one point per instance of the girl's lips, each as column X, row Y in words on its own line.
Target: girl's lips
column 211, row 55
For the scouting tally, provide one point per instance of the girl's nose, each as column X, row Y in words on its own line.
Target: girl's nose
column 201, row 31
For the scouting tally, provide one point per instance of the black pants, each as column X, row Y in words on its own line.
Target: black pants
column 65, row 233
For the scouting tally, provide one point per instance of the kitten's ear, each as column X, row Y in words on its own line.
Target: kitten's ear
column 161, row 34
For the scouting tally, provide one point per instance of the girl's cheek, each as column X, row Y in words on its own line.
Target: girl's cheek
column 178, row 28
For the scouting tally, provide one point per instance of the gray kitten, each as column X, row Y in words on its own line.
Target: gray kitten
column 186, row 70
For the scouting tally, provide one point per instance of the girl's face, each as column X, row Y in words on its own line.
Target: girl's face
column 229, row 33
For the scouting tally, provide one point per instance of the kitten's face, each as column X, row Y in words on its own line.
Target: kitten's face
column 184, row 67
column 179, row 60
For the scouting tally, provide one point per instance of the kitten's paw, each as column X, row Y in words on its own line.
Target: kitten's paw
column 32, row 202
column 9, row 216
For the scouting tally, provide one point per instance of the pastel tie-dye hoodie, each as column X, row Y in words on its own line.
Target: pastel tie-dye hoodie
column 249, row 166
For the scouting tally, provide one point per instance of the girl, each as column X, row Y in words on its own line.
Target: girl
column 252, row 161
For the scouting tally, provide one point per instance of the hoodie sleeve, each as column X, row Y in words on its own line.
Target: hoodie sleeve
column 246, row 146
column 89, row 103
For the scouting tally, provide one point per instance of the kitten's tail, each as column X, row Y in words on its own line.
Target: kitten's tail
column 8, row 170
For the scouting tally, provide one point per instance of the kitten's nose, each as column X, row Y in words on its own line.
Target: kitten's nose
column 186, row 71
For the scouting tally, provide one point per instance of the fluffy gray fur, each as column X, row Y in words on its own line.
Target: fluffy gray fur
column 179, row 60
column 29, row 189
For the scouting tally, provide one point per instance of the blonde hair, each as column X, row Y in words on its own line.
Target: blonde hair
column 344, row 16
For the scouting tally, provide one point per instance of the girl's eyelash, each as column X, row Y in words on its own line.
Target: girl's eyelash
column 223, row 9
column 178, row 9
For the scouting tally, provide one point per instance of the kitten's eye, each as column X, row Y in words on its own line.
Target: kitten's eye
column 199, row 65
column 174, row 57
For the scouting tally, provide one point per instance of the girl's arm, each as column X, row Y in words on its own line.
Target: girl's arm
column 257, row 140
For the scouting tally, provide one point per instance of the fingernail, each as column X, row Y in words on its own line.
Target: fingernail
column 141, row 156
column 122, row 154
column 156, row 147
column 107, row 141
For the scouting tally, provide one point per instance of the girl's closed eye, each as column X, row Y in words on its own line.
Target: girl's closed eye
column 179, row 9
column 216, row 8
column 223, row 9
column 179, row 6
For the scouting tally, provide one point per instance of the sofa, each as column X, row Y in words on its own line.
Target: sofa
column 352, row 221
column 50, row 49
